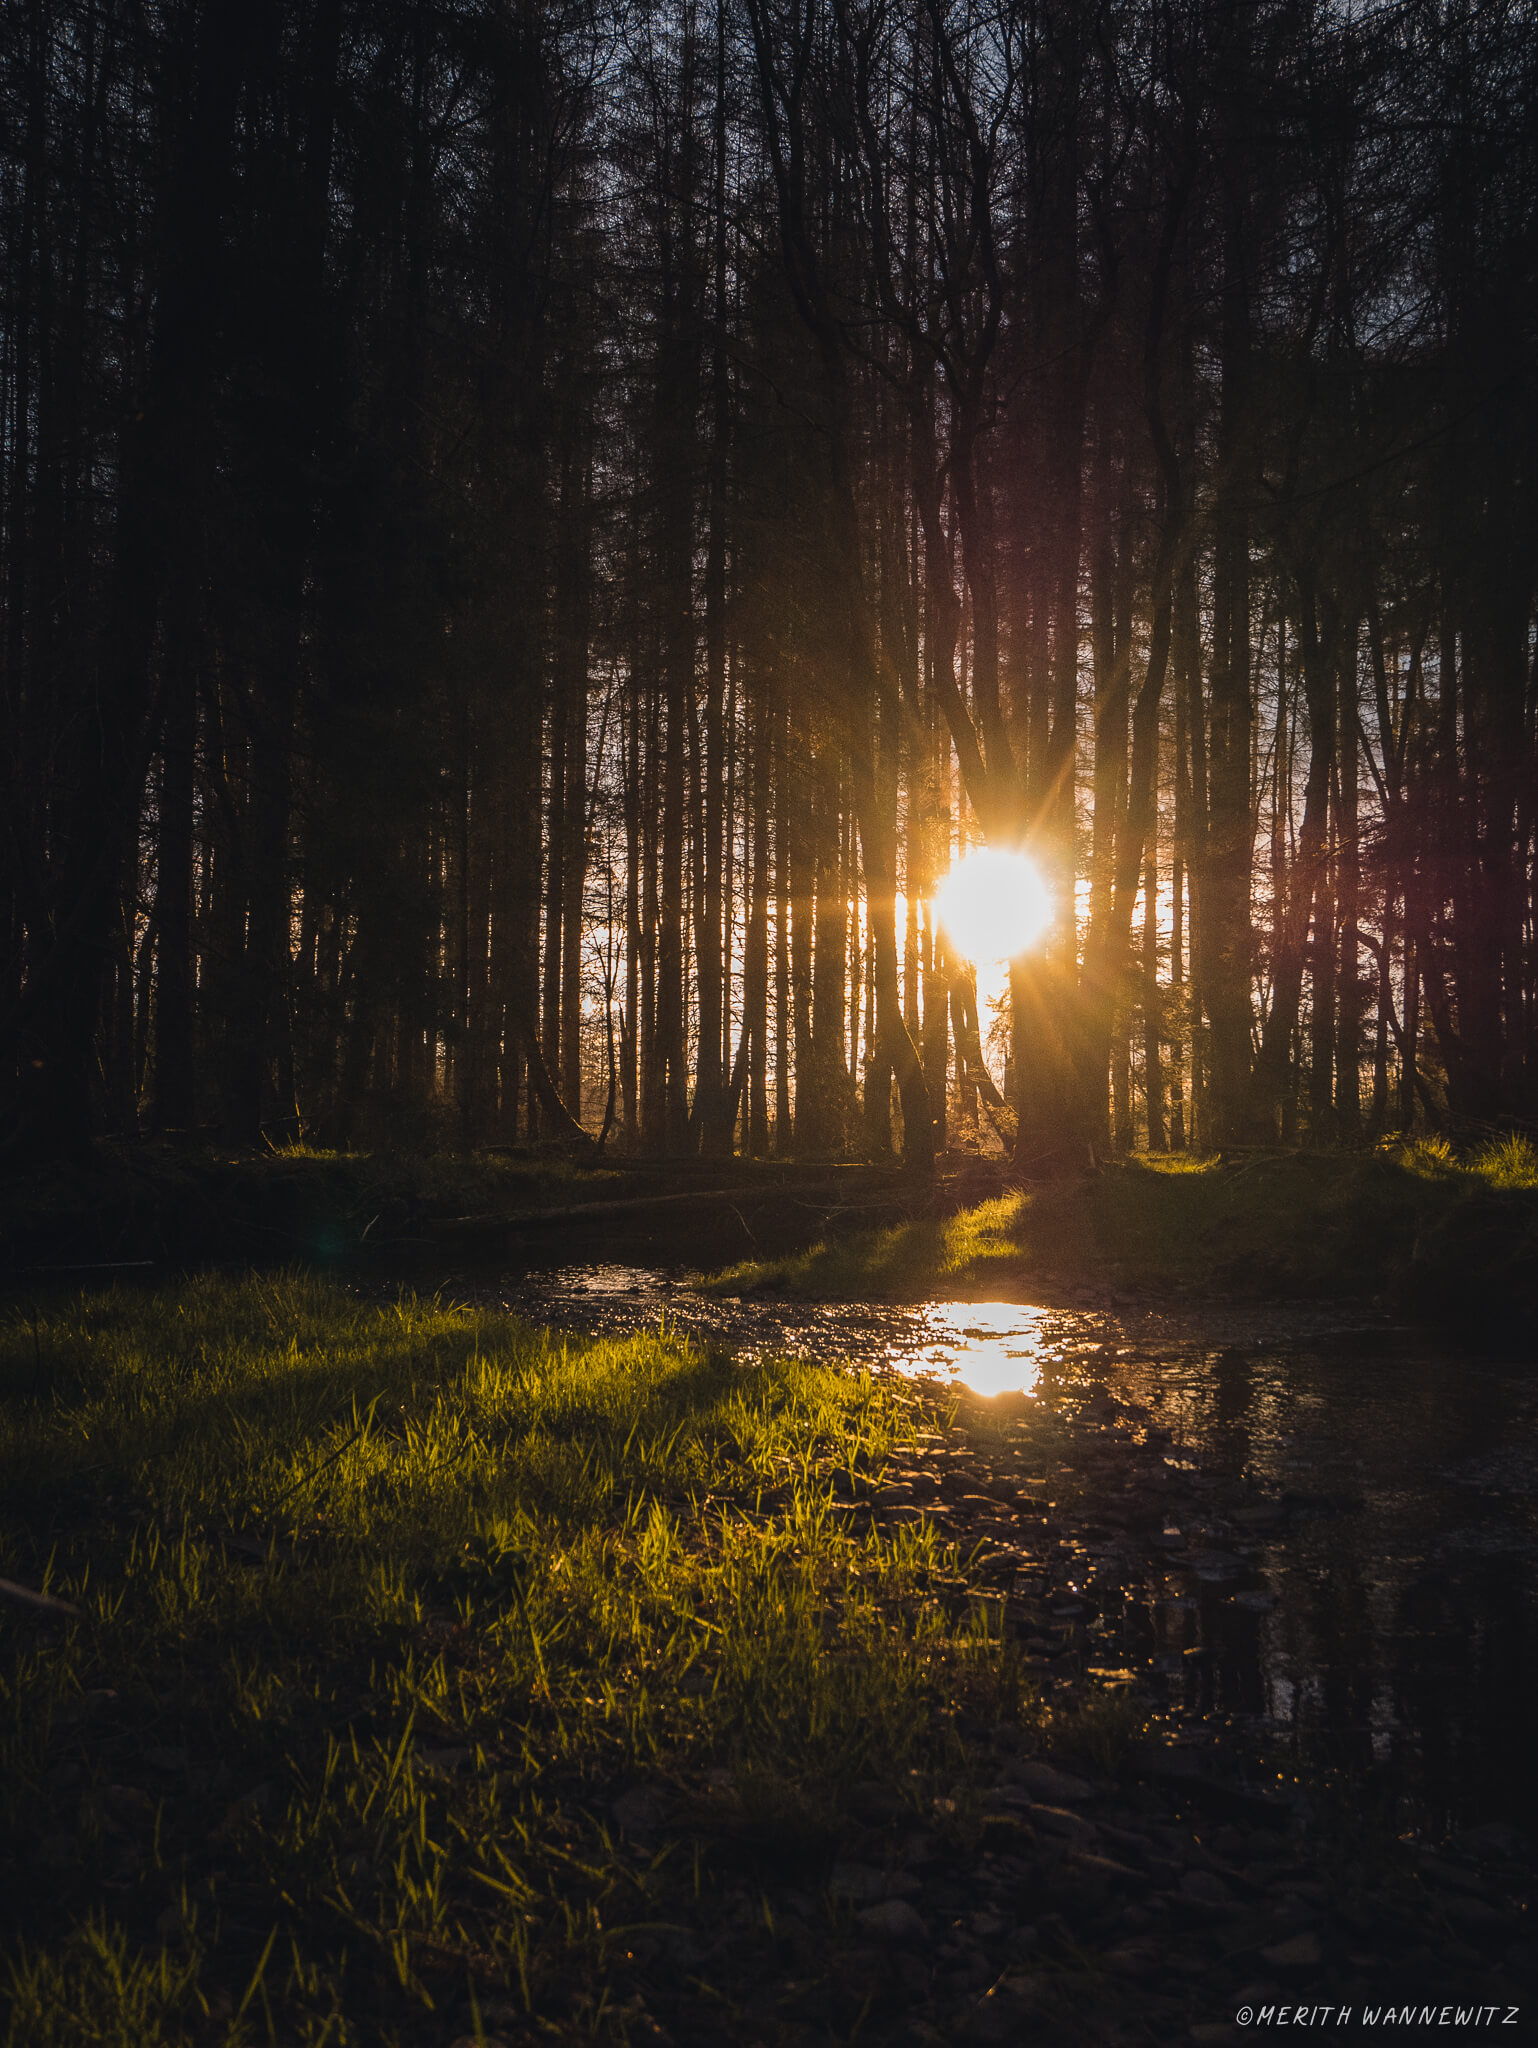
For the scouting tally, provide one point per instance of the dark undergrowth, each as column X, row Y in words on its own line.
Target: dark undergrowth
column 1414, row 1225
column 378, row 1613
column 160, row 1202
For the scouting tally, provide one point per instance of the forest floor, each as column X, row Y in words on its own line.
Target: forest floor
column 1415, row 1226
column 152, row 1204
column 400, row 1674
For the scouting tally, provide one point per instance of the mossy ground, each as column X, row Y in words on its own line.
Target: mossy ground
column 379, row 1607
column 1413, row 1223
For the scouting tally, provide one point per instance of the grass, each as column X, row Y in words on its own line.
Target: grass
column 1415, row 1222
column 379, row 1608
column 973, row 1253
column 1510, row 1162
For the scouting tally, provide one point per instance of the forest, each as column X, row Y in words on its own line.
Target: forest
column 534, row 533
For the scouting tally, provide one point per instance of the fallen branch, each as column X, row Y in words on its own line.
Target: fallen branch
column 39, row 1603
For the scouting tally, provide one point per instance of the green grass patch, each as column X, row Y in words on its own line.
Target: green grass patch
column 975, row 1253
column 379, row 1608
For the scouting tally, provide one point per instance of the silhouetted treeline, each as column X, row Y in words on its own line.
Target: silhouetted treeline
column 532, row 535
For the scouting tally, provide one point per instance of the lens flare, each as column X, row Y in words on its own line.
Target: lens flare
column 993, row 905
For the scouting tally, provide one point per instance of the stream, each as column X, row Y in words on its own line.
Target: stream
column 1379, row 1622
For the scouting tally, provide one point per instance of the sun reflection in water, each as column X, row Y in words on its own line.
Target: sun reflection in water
column 990, row 1347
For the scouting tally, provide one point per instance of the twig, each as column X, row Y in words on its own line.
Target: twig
column 40, row 1603
column 747, row 1233
column 332, row 1456
column 90, row 1266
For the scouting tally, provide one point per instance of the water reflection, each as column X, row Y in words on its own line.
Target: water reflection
column 989, row 1347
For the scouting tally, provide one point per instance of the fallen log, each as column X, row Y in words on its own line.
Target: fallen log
column 823, row 1194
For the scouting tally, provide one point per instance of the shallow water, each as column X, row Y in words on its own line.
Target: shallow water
column 1386, row 1628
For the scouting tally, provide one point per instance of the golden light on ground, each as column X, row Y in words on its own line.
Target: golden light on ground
column 993, row 905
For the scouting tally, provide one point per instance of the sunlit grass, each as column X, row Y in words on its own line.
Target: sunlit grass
column 990, row 1251
column 379, row 1605
column 1427, row 1156
column 1177, row 1164
column 1510, row 1162
column 1507, row 1162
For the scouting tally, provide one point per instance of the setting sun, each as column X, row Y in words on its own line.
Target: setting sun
column 992, row 905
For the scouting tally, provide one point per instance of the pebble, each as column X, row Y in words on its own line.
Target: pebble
column 892, row 1920
column 1134, row 1884
column 1056, row 1820
column 1051, row 1786
column 861, row 1883
column 129, row 1804
column 1301, row 1952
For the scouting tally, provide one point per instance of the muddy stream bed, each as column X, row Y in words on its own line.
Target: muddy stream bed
column 1304, row 1540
